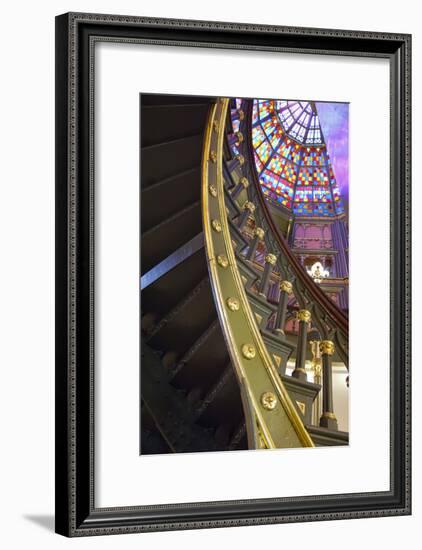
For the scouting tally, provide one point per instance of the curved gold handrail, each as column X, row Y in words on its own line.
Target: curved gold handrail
column 272, row 420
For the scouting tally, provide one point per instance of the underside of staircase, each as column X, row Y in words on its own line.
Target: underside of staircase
column 190, row 396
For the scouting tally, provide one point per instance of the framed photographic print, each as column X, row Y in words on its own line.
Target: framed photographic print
column 232, row 274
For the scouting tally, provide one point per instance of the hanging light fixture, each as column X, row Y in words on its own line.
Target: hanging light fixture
column 318, row 272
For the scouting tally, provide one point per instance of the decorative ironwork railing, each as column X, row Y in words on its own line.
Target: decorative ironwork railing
column 327, row 317
column 318, row 320
column 272, row 420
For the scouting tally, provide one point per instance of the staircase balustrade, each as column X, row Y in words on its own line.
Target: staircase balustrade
column 313, row 306
column 271, row 418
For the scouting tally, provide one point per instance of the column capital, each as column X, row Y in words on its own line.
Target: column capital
column 271, row 259
column 248, row 205
column 304, row 315
column 259, row 232
column 330, row 415
column 286, row 286
column 244, row 181
column 327, row 347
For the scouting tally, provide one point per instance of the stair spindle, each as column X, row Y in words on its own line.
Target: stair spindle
column 248, row 209
column 235, row 139
column 243, row 184
column 286, row 288
column 314, row 342
column 328, row 418
column 239, row 114
column 259, row 234
column 239, row 160
column 270, row 261
column 304, row 317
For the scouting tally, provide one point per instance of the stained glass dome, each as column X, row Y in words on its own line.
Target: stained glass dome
column 291, row 158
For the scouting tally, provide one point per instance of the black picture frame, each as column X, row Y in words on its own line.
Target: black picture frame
column 76, row 513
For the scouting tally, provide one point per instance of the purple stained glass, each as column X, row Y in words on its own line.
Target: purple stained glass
column 289, row 139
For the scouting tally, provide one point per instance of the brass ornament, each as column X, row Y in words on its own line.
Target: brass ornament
column 317, row 369
column 248, row 351
column 259, row 232
column 268, row 401
column 213, row 190
column 249, row 206
column 271, row 259
column 330, row 415
column 304, row 315
column 327, row 347
column 244, row 181
column 239, row 136
column 216, row 225
column 222, row 261
column 240, row 159
column 261, row 438
column 241, row 114
column 233, row 304
column 261, row 442
column 286, row 286
column 213, row 156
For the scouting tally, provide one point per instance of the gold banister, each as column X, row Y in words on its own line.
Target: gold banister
column 272, row 420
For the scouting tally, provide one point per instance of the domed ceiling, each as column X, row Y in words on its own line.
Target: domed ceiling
column 292, row 160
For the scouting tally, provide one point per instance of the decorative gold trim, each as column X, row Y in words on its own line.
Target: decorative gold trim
column 239, row 136
column 213, row 156
column 240, row 159
column 216, row 225
column 241, row 114
column 248, row 205
column 268, row 401
column 244, row 181
column 215, row 126
column 248, row 351
column 277, row 359
column 286, row 286
column 213, row 190
column 330, row 415
column 282, row 427
column 304, row 315
column 258, row 317
column 222, row 261
column 300, row 369
column 259, row 232
column 233, row 304
column 271, row 259
column 302, row 406
column 261, row 439
column 327, row 347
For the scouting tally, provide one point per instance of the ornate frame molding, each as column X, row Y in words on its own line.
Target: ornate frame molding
column 76, row 35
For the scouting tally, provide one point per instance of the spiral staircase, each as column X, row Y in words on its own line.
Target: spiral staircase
column 225, row 305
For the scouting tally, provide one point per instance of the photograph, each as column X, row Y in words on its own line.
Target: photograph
column 271, row 260
column 210, row 265
column 233, row 306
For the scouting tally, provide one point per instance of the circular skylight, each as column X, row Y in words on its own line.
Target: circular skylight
column 300, row 121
